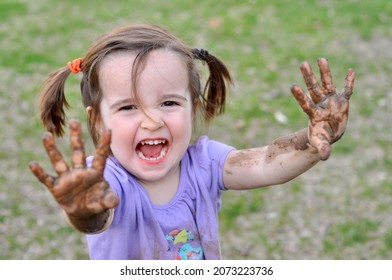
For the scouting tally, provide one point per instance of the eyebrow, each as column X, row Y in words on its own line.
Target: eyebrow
column 175, row 96
column 133, row 100
column 122, row 101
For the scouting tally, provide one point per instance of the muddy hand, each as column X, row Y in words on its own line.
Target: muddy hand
column 81, row 191
column 327, row 110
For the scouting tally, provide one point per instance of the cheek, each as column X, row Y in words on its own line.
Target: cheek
column 123, row 132
column 120, row 126
column 184, row 126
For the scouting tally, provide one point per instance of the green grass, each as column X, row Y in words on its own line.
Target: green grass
column 11, row 9
column 349, row 234
column 388, row 239
column 340, row 209
column 240, row 204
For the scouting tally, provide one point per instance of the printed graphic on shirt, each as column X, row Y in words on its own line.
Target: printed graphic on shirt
column 182, row 241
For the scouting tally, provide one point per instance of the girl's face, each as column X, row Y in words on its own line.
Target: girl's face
column 151, row 133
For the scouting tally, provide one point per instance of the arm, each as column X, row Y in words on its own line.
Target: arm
column 82, row 192
column 291, row 155
column 281, row 161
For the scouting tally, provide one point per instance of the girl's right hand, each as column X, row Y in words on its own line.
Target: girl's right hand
column 81, row 191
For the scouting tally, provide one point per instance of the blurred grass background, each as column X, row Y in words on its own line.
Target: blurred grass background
column 341, row 209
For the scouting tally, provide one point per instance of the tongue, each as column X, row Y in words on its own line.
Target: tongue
column 151, row 151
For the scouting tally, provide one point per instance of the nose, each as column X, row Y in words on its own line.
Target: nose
column 151, row 122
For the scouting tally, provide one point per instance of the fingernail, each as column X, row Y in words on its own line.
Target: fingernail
column 47, row 135
column 73, row 123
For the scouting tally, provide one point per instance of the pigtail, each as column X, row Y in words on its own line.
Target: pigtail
column 214, row 93
column 53, row 102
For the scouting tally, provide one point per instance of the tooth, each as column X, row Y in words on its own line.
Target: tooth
column 153, row 142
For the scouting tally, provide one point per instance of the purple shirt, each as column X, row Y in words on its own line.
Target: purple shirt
column 184, row 228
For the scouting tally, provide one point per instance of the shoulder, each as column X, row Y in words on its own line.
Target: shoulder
column 205, row 150
column 204, row 161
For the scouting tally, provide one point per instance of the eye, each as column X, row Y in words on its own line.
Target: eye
column 169, row 103
column 128, row 107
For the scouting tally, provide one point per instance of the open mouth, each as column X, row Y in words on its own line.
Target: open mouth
column 152, row 150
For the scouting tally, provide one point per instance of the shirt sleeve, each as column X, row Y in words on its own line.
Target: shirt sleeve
column 211, row 156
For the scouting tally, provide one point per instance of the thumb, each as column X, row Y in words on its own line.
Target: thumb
column 324, row 149
column 110, row 199
column 320, row 139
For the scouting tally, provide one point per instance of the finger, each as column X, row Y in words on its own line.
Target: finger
column 110, row 199
column 321, row 141
column 348, row 88
column 55, row 156
column 78, row 154
column 102, row 151
column 41, row 175
column 107, row 200
column 303, row 100
column 311, row 82
column 324, row 150
column 326, row 77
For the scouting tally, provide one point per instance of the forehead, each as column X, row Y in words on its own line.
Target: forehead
column 162, row 69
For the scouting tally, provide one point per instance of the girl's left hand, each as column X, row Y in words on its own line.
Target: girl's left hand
column 327, row 110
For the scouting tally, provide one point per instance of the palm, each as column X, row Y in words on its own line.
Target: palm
column 81, row 191
column 327, row 110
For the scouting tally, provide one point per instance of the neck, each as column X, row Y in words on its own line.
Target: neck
column 162, row 191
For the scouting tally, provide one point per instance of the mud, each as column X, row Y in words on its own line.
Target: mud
column 247, row 158
column 297, row 141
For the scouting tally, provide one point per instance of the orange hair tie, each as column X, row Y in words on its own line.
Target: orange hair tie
column 75, row 65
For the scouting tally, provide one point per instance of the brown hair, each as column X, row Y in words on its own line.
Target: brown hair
column 141, row 39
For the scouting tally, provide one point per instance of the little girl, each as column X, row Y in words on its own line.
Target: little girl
column 148, row 193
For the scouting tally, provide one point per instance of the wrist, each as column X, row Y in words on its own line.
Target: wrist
column 301, row 141
column 93, row 224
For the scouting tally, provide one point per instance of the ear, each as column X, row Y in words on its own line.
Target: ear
column 89, row 111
